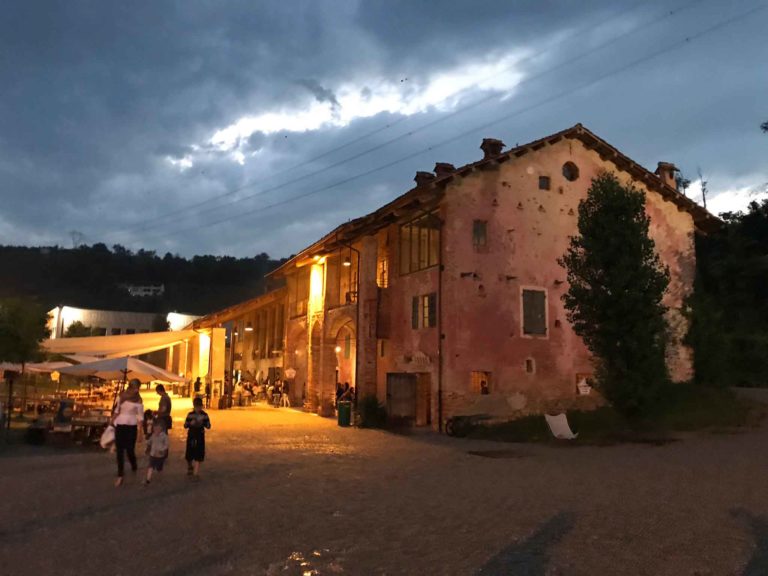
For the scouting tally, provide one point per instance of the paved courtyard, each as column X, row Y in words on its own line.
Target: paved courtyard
column 286, row 493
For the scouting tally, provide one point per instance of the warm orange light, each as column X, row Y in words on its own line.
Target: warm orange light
column 249, row 327
column 338, row 349
column 347, row 261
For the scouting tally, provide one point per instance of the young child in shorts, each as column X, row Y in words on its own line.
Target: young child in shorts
column 196, row 423
column 157, row 444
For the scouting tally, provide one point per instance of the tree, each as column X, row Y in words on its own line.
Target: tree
column 160, row 323
column 22, row 329
column 764, row 126
column 77, row 330
column 614, row 300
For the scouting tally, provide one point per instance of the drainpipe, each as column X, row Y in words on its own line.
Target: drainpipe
column 357, row 328
column 440, row 335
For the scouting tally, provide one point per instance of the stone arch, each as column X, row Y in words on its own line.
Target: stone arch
column 344, row 344
column 297, row 358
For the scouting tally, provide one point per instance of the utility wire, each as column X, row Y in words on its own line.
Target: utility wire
column 579, row 32
column 674, row 46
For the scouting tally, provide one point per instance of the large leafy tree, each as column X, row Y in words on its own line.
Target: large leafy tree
column 729, row 328
column 22, row 329
column 614, row 300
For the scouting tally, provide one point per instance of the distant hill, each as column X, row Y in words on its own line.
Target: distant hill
column 96, row 276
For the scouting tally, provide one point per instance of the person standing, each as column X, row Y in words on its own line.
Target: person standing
column 197, row 385
column 285, row 400
column 196, row 423
column 164, row 407
column 127, row 416
column 207, row 394
column 158, row 449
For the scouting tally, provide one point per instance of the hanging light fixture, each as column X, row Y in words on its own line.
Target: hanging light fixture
column 249, row 327
column 347, row 261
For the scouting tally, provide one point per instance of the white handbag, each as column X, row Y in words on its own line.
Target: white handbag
column 107, row 437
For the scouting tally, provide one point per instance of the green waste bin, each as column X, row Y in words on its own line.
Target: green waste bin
column 344, row 409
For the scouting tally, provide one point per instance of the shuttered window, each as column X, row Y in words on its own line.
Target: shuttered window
column 535, row 312
column 479, row 234
column 424, row 311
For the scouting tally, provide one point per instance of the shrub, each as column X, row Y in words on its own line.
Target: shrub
column 372, row 413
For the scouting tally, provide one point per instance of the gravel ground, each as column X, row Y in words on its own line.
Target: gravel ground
column 286, row 493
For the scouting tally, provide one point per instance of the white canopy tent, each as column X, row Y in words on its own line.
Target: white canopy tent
column 125, row 368
column 116, row 346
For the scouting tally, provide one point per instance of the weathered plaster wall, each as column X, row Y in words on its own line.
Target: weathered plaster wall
column 528, row 230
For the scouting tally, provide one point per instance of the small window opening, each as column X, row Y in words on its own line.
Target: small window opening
column 480, row 382
column 544, row 182
column 570, row 171
column 530, row 365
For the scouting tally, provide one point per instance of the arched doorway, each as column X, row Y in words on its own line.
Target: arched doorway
column 345, row 353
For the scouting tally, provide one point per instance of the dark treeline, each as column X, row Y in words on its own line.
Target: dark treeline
column 95, row 276
column 729, row 330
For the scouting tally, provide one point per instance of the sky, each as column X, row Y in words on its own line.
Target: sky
column 236, row 128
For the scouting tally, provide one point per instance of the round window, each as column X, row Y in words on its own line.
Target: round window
column 570, row 171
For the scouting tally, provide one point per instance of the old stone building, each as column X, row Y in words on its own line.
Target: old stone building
column 447, row 300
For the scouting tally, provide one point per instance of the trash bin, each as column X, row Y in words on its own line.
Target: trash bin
column 344, row 409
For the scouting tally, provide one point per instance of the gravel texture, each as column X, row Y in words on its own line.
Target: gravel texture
column 286, row 493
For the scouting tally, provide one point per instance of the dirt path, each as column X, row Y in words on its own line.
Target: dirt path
column 286, row 493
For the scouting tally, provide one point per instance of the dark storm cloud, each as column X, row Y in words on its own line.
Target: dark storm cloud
column 107, row 110
column 321, row 94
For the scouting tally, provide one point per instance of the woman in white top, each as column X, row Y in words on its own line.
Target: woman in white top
column 128, row 415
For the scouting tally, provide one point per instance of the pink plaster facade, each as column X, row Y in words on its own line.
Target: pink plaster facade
column 468, row 294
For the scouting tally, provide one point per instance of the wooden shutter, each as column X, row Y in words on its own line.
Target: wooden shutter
column 415, row 313
column 432, row 313
column 534, row 312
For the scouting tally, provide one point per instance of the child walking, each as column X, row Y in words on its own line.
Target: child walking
column 196, row 423
column 158, row 449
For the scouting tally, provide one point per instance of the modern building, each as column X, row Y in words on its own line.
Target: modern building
column 447, row 300
column 112, row 322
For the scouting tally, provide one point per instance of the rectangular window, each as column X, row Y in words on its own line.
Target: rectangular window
column 534, row 312
column 98, row 331
column 479, row 234
column 382, row 349
column 130, row 331
column 420, row 244
column 424, row 311
column 544, row 183
column 480, row 382
column 115, row 332
column 382, row 274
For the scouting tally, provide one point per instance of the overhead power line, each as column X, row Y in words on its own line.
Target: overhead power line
column 643, row 59
column 229, row 194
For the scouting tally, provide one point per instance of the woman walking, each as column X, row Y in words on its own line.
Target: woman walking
column 128, row 415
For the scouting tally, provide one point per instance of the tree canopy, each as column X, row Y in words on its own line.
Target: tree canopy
column 22, row 329
column 729, row 328
column 96, row 277
column 614, row 300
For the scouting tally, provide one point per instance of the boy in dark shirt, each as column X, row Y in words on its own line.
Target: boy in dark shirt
column 196, row 423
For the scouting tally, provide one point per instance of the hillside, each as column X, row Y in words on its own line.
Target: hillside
column 96, row 276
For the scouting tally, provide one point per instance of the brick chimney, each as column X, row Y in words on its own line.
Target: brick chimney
column 443, row 168
column 491, row 147
column 423, row 178
column 666, row 173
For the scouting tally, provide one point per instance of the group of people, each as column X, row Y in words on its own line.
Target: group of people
column 276, row 393
column 129, row 414
column 344, row 392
